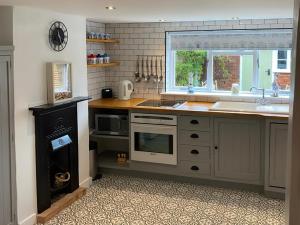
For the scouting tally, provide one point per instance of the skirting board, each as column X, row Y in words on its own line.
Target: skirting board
column 60, row 205
column 86, row 183
column 30, row 220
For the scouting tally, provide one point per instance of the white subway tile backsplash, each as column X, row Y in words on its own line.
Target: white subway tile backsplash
column 245, row 22
column 286, row 20
column 271, row 21
column 210, row 22
column 149, row 39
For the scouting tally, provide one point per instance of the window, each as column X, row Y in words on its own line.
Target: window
column 282, row 61
column 218, row 59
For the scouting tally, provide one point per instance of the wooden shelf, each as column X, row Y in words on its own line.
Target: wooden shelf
column 102, row 41
column 104, row 65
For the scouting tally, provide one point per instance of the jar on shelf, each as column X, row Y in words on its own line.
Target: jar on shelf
column 100, row 59
column 107, row 36
column 91, row 59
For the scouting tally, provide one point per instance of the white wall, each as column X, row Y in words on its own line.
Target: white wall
column 96, row 76
column 31, row 54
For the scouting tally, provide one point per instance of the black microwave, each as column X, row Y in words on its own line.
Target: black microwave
column 112, row 124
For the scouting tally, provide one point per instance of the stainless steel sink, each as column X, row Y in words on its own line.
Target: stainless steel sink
column 251, row 107
column 162, row 103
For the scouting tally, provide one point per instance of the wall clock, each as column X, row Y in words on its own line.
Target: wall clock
column 58, row 36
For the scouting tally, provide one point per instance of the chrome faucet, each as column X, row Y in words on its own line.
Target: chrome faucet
column 262, row 100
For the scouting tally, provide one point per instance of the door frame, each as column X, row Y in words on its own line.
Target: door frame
column 8, row 52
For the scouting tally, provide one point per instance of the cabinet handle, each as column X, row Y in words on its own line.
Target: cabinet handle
column 216, row 148
column 194, row 122
column 194, row 152
column 195, row 168
column 194, row 136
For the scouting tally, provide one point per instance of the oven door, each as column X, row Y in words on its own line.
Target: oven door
column 154, row 143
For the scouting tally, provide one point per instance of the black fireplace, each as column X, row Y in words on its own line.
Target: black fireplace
column 56, row 142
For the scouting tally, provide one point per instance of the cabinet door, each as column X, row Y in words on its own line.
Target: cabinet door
column 278, row 153
column 237, row 150
column 6, row 216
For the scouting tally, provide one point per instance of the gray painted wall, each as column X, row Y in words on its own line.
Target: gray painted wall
column 6, row 25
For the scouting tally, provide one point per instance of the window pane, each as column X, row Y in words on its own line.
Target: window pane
column 191, row 62
column 282, row 54
column 282, row 64
column 283, row 81
column 268, row 76
column 226, row 71
column 247, row 72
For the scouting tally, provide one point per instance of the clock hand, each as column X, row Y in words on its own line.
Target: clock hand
column 59, row 37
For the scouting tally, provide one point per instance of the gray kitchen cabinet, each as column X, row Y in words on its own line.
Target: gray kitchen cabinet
column 194, row 142
column 194, row 168
column 6, row 146
column 276, row 155
column 197, row 123
column 191, row 137
column 237, row 154
column 194, row 153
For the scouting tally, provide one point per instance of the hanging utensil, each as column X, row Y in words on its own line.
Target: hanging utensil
column 155, row 77
column 161, row 70
column 137, row 73
column 143, row 74
column 147, row 78
column 151, row 74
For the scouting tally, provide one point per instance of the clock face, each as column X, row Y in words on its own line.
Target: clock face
column 58, row 36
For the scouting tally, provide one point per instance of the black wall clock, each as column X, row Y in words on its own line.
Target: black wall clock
column 58, row 36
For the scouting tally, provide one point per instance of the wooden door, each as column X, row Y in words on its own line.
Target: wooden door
column 6, row 206
column 237, row 150
column 278, row 155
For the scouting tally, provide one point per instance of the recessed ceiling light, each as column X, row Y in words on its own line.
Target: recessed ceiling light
column 162, row 20
column 235, row 18
column 110, row 7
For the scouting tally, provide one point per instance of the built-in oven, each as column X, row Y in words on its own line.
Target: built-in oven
column 110, row 124
column 154, row 138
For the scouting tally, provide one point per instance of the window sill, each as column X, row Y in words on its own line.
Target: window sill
column 224, row 96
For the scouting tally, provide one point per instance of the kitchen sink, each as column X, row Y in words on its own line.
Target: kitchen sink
column 162, row 103
column 251, row 107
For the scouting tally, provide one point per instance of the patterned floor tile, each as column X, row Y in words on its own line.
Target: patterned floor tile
column 123, row 200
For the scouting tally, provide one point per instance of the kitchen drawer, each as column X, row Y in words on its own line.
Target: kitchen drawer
column 194, row 153
column 194, row 169
column 194, row 123
column 187, row 137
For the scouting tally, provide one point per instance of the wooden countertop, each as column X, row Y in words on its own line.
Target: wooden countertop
column 114, row 103
column 202, row 108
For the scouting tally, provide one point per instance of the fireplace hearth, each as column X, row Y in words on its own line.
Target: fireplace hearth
column 56, row 139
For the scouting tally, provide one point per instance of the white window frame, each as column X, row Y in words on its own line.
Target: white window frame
column 275, row 59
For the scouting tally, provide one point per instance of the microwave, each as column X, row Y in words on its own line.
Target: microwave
column 112, row 124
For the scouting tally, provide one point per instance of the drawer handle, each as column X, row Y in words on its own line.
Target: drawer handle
column 216, row 148
column 194, row 136
column 194, row 122
column 195, row 168
column 194, row 152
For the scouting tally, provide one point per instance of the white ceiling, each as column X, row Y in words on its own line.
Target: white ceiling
column 171, row 10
